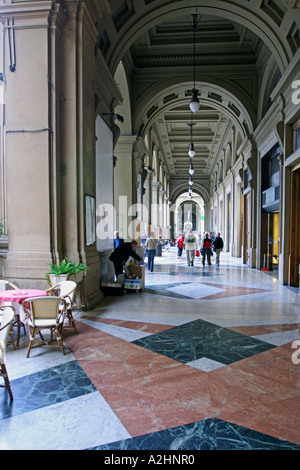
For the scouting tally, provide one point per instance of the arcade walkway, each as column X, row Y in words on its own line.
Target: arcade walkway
column 203, row 359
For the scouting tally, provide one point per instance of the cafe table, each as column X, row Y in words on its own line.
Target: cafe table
column 16, row 298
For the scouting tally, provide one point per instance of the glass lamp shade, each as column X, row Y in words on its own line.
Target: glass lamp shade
column 191, row 170
column 194, row 103
column 191, row 182
column 192, row 150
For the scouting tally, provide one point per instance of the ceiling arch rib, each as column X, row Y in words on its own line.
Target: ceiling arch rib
column 156, row 101
column 257, row 17
column 212, row 124
column 182, row 189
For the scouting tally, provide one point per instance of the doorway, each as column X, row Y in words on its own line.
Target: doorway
column 269, row 239
column 295, row 229
column 247, row 228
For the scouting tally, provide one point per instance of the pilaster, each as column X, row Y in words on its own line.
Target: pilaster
column 28, row 141
column 123, row 182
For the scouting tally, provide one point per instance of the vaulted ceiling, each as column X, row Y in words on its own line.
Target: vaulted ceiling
column 221, row 47
column 156, row 46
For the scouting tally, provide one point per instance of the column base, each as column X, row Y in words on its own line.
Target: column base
column 297, row 302
column 252, row 259
column 28, row 270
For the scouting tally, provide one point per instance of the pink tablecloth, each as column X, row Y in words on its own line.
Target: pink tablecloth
column 16, row 298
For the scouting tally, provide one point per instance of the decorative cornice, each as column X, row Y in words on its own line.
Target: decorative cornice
column 200, row 58
column 99, row 10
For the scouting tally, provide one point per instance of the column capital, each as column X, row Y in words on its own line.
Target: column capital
column 155, row 185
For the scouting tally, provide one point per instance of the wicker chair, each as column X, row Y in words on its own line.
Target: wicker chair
column 66, row 289
column 5, row 329
column 3, row 308
column 45, row 313
column 7, row 285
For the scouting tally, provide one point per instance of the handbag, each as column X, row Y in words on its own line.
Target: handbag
column 197, row 253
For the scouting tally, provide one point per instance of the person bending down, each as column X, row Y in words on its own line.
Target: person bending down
column 121, row 254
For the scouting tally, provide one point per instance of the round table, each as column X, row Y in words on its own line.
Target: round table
column 16, row 298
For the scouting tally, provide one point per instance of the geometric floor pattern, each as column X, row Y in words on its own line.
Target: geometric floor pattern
column 201, row 339
column 185, row 365
column 203, row 290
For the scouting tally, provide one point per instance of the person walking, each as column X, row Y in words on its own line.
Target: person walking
column 206, row 250
column 180, row 244
column 117, row 240
column 151, row 250
column 190, row 247
column 217, row 247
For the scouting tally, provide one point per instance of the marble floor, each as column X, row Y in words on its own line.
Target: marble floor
column 204, row 358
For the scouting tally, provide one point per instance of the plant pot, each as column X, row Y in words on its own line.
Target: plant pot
column 77, row 277
column 53, row 279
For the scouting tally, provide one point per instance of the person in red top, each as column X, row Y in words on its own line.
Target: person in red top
column 206, row 250
column 180, row 244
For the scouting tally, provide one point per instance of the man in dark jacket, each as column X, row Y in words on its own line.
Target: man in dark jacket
column 121, row 254
column 218, row 246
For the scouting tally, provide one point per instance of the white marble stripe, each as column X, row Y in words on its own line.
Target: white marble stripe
column 126, row 334
column 18, row 365
column 76, row 424
column 205, row 364
column 279, row 338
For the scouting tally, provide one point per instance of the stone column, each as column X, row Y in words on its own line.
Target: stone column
column 28, row 142
column 166, row 219
column 123, row 185
column 161, row 196
column 155, row 207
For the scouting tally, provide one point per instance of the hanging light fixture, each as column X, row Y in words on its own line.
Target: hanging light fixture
column 191, row 149
column 191, row 182
column 191, row 169
column 194, row 103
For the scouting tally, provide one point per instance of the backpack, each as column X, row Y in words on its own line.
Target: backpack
column 207, row 243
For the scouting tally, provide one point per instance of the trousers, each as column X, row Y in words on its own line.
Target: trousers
column 151, row 256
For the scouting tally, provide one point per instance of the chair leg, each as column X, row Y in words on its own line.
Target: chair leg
column 6, row 380
column 19, row 326
column 33, row 332
column 58, row 333
column 12, row 338
column 71, row 320
column 31, row 340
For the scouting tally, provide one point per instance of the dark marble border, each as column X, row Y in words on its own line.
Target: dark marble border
column 45, row 388
column 209, row 434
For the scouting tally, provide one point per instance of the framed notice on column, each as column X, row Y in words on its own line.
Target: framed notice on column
column 90, row 220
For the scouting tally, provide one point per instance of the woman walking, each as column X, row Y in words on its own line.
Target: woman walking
column 151, row 250
column 190, row 247
column 180, row 244
column 206, row 250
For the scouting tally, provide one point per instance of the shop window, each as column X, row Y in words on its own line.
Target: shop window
column 296, row 135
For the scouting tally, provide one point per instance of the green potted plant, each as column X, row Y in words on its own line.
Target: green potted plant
column 66, row 269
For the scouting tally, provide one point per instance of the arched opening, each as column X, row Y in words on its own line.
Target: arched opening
column 188, row 213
